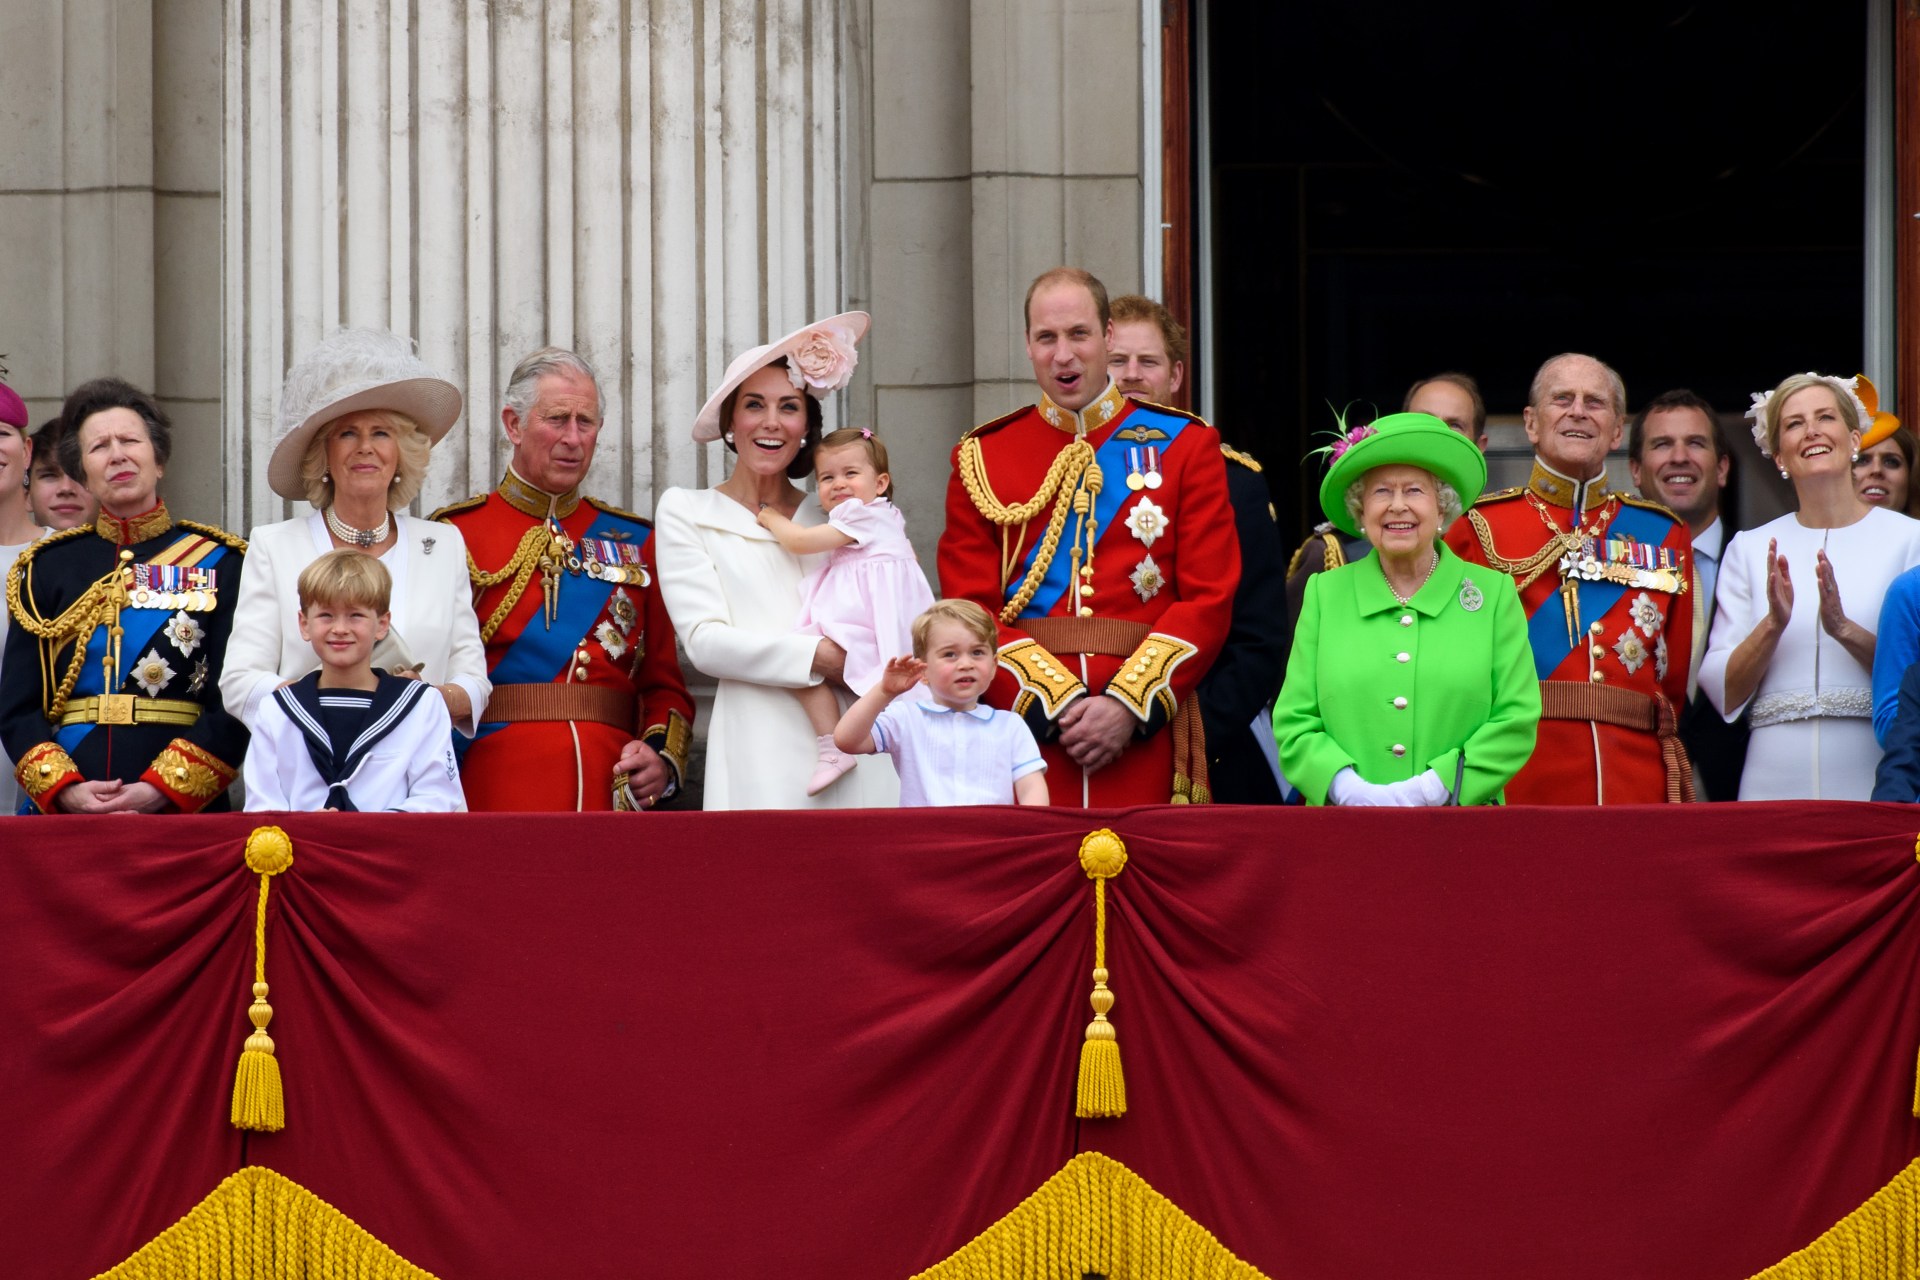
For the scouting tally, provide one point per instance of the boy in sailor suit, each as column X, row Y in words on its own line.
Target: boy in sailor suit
column 349, row 737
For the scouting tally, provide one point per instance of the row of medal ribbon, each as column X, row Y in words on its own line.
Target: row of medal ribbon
column 609, row 561
column 1626, row 562
column 173, row 588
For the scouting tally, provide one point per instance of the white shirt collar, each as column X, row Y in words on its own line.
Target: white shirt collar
column 1709, row 541
column 933, row 708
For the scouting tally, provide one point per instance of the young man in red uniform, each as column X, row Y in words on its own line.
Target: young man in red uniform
column 1605, row 580
column 589, row 709
column 1099, row 532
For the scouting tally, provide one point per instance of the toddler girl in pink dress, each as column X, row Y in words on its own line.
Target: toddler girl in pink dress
column 869, row 591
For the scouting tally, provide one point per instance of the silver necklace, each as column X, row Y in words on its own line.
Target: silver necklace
column 1408, row 598
column 353, row 537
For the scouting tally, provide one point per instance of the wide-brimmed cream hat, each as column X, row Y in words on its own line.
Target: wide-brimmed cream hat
column 355, row 369
column 821, row 359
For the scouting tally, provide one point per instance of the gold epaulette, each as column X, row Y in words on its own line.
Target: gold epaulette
column 1647, row 504
column 996, row 423
column 474, row 503
column 1499, row 495
column 1333, row 555
column 1188, row 414
column 215, row 532
column 33, row 548
column 1246, row 460
column 609, row 509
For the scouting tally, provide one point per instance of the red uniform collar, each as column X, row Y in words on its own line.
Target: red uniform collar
column 530, row 500
column 1109, row 405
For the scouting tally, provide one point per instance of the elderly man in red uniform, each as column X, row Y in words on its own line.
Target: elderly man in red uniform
column 1605, row 579
column 1099, row 531
column 589, row 709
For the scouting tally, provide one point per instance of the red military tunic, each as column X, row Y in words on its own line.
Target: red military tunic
column 1139, row 617
column 1613, row 675
column 567, row 696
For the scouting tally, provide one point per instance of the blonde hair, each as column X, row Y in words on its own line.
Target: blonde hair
column 1793, row 386
column 978, row 622
column 410, row 469
column 346, row 578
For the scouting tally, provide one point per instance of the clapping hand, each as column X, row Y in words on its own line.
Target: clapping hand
column 1833, row 617
column 901, row 675
column 1780, row 587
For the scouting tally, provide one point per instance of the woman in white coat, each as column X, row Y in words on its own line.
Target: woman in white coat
column 734, row 592
column 359, row 415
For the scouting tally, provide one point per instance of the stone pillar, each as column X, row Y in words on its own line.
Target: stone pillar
column 652, row 182
column 996, row 139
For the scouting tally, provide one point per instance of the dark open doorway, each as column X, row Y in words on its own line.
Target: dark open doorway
column 1674, row 187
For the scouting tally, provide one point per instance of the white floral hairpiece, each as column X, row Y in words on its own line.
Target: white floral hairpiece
column 1757, row 411
column 822, row 362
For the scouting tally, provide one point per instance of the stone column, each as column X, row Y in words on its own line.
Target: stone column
column 655, row 183
column 996, row 139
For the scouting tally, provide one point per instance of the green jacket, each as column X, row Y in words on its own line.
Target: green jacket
column 1396, row 690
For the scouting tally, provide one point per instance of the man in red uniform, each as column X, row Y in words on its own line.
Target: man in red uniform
column 589, row 709
column 1605, row 579
column 1099, row 531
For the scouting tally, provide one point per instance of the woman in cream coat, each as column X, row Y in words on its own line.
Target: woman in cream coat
column 358, row 418
column 734, row 592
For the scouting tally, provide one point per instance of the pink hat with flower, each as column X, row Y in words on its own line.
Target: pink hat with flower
column 13, row 410
column 820, row 358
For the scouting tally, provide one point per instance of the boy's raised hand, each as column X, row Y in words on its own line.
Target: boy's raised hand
column 901, row 675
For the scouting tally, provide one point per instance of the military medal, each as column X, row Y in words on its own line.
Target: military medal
column 1136, row 481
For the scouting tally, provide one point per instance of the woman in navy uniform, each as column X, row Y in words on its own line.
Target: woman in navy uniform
column 110, row 701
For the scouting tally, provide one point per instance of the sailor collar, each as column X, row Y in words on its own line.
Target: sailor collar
column 932, row 708
column 1104, row 409
column 1562, row 491
column 530, row 500
column 148, row 524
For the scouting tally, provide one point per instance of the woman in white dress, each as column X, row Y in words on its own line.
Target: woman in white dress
column 359, row 416
column 734, row 592
column 1788, row 643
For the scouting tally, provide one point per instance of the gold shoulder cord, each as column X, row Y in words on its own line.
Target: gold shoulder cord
column 520, row 567
column 1528, row 571
column 1073, row 470
column 76, row 623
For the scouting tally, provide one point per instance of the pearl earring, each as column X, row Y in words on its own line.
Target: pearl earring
column 1856, row 455
column 727, row 436
column 1784, row 475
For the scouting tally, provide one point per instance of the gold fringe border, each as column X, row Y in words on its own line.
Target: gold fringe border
column 262, row 1225
column 1880, row 1238
column 1094, row 1216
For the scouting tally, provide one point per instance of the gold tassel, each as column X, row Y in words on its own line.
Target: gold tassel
column 1102, row 1089
column 257, row 1100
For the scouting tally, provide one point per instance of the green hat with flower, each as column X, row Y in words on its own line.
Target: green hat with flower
column 1410, row 439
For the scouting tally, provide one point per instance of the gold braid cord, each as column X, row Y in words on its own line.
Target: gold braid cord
column 1071, row 471
column 1094, row 1217
column 1528, row 570
column 262, row 1225
column 521, row 567
column 75, row 624
column 1880, row 1238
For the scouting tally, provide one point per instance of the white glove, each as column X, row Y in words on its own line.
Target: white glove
column 1416, row 792
column 1349, row 789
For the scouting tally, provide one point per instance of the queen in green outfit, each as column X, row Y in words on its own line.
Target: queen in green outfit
column 1411, row 680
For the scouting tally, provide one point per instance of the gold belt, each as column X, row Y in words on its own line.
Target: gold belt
column 597, row 704
column 127, row 708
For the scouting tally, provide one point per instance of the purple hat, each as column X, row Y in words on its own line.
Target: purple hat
column 13, row 410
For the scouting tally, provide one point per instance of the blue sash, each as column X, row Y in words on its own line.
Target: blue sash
column 540, row 653
column 1547, row 628
column 137, row 629
column 1112, row 459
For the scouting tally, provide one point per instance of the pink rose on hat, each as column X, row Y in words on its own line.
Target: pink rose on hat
column 822, row 361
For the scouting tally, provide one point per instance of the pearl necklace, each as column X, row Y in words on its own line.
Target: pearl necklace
column 361, row 538
column 1408, row 598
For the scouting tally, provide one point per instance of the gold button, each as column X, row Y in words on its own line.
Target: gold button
column 1058, row 678
column 1153, row 651
column 1133, row 677
column 1403, row 657
column 1087, row 590
column 1599, row 651
column 181, row 774
column 1399, row 750
column 1086, row 611
column 46, row 771
column 1597, row 677
column 1399, row 704
column 1594, row 629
